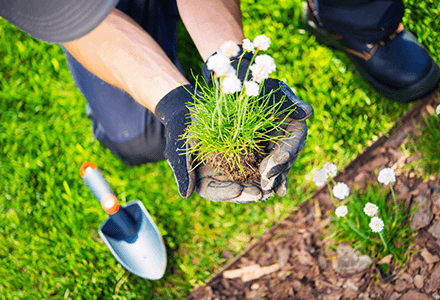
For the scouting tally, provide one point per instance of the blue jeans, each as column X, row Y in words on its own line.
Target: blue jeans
column 128, row 129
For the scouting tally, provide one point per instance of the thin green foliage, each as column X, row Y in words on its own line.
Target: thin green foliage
column 233, row 124
column 426, row 147
column 394, row 239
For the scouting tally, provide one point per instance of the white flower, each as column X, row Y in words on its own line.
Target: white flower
column 320, row 177
column 231, row 84
column 437, row 110
column 252, row 88
column 263, row 66
column 341, row 211
column 266, row 61
column 371, row 210
column 330, row 169
column 259, row 73
column 376, row 224
column 230, row 49
column 341, row 190
column 219, row 63
column 261, row 42
column 386, row 176
column 248, row 45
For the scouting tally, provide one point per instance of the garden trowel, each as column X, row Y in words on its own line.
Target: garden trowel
column 129, row 232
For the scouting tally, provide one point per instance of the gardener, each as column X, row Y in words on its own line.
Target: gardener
column 123, row 59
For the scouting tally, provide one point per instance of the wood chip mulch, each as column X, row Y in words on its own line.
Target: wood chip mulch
column 290, row 262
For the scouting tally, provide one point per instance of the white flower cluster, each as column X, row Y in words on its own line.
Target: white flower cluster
column 231, row 84
column 386, row 176
column 248, row 45
column 320, row 177
column 230, row 49
column 371, row 210
column 376, row 224
column 252, row 89
column 262, row 42
column 221, row 65
column 437, row 110
column 330, row 168
column 341, row 190
column 263, row 66
column 341, row 211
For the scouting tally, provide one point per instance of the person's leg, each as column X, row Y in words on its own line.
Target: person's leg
column 363, row 20
column 121, row 124
column 371, row 34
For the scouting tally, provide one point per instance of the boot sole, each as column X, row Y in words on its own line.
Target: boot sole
column 406, row 95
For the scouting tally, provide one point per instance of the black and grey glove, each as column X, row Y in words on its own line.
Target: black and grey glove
column 282, row 155
column 172, row 112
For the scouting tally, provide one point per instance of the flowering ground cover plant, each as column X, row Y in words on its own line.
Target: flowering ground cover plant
column 371, row 220
column 233, row 122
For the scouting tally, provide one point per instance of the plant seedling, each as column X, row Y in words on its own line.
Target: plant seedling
column 368, row 220
column 232, row 124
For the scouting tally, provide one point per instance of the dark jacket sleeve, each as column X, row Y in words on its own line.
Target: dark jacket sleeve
column 56, row 21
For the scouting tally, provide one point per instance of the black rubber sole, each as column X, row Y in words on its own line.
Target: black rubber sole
column 406, row 95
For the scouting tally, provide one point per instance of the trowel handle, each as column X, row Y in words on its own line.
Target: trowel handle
column 102, row 191
column 99, row 187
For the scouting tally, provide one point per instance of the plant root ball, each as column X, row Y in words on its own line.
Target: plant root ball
column 249, row 166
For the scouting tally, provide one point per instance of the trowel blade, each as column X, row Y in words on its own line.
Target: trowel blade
column 145, row 254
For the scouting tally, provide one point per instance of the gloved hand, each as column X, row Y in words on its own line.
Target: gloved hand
column 216, row 187
column 282, row 155
column 275, row 167
column 173, row 113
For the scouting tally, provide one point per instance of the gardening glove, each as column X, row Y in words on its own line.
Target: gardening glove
column 173, row 113
column 282, row 154
column 214, row 186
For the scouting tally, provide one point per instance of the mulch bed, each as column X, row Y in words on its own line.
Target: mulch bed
column 290, row 262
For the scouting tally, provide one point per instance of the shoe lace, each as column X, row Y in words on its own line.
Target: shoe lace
column 385, row 42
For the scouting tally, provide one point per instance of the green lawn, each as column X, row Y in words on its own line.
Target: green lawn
column 49, row 247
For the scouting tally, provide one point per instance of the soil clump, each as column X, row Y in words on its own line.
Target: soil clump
column 246, row 169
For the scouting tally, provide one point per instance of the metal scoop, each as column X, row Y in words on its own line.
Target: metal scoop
column 129, row 232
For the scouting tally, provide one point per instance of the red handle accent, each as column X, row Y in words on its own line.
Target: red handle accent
column 84, row 166
column 110, row 204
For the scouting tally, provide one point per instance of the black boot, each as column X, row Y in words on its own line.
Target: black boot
column 398, row 67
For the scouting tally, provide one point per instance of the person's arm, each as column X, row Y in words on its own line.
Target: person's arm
column 121, row 53
column 211, row 23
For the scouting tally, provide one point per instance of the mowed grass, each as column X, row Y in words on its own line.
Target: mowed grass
column 49, row 245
